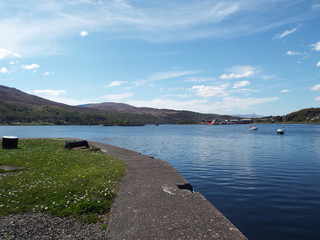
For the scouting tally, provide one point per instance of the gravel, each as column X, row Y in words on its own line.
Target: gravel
column 41, row 226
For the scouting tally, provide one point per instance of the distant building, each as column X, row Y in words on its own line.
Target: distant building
column 245, row 120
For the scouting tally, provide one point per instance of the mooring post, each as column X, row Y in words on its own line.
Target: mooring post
column 10, row 142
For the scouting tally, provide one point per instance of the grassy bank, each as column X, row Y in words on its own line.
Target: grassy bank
column 51, row 179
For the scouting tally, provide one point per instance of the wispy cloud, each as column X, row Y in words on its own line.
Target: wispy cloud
column 233, row 104
column 47, row 92
column 33, row 67
column 165, row 75
column 241, row 84
column 316, row 46
column 239, row 72
column 244, row 103
column 316, row 6
column 285, row 33
column 199, row 79
column 285, row 91
column 171, row 74
column 4, row 53
column 318, row 64
column 42, row 24
column 48, row 73
column 117, row 97
column 84, row 33
column 210, row 91
column 315, row 87
column 114, row 84
column 4, row 70
column 293, row 53
column 163, row 103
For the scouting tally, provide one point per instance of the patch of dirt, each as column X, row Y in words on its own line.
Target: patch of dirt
column 6, row 169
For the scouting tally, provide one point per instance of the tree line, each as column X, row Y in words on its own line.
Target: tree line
column 49, row 115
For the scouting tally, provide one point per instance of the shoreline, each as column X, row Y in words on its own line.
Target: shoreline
column 154, row 202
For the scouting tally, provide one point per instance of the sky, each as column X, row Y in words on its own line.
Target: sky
column 209, row 56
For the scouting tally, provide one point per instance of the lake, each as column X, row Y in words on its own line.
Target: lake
column 268, row 185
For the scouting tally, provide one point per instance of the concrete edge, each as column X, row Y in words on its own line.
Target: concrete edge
column 150, row 203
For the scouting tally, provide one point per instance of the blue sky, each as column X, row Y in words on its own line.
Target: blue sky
column 209, row 56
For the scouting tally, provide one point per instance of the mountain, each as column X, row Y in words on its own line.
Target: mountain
column 163, row 115
column 20, row 107
column 15, row 96
column 17, row 106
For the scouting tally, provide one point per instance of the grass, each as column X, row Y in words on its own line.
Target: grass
column 57, row 181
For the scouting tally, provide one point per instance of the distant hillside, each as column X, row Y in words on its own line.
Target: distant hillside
column 163, row 115
column 304, row 115
column 308, row 115
column 20, row 107
column 15, row 96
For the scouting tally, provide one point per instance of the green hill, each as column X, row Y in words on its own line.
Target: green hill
column 17, row 107
column 304, row 115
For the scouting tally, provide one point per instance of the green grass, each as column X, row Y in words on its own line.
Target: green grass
column 76, row 183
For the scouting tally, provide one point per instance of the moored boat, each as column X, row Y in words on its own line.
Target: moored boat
column 253, row 127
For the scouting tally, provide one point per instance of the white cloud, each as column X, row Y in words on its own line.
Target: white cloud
column 203, row 105
column 27, row 31
column 285, row 91
column 171, row 74
column 117, row 97
column 33, row 67
column 13, row 62
column 4, row 70
column 164, row 75
column 4, row 53
column 315, row 87
column 48, row 73
column 317, row 98
column 48, row 92
column 293, row 53
column 318, row 64
column 162, row 103
column 286, row 33
column 199, row 79
column 210, row 91
column 239, row 72
column 241, row 84
column 84, row 33
column 316, row 46
column 114, row 84
column 68, row 100
column 243, row 103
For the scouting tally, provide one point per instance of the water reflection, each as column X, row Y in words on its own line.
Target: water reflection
column 267, row 185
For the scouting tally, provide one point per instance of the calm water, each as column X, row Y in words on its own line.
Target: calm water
column 268, row 185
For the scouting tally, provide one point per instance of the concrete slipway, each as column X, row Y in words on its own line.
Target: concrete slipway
column 150, row 203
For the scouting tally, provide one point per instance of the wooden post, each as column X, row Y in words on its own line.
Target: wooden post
column 10, row 142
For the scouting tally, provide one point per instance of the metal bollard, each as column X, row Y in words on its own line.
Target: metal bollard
column 10, row 142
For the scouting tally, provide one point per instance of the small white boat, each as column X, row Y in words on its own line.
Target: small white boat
column 280, row 131
column 253, row 127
